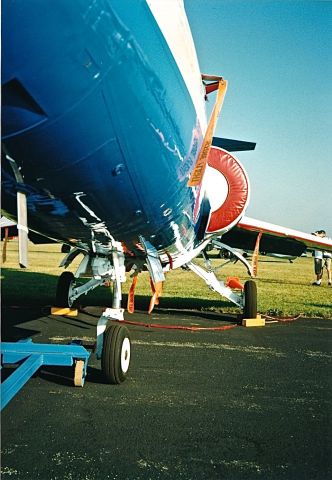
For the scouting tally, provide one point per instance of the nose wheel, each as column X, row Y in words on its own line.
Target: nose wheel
column 116, row 354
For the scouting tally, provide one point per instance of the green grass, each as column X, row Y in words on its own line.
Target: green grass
column 283, row 288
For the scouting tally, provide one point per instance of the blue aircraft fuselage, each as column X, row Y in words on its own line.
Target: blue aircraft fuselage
column 99, row 120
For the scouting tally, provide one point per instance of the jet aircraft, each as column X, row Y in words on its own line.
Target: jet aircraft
column 107, row 149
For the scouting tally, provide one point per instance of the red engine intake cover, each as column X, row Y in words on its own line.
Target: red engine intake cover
column 237, row 198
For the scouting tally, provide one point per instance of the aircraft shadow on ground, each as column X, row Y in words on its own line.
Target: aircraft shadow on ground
column 12, row 319
column 28, row 289
column 319, row 305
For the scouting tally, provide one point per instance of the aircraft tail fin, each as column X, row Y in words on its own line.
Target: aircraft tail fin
column 233, row 145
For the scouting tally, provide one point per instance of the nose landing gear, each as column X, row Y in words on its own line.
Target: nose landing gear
column 113, row 345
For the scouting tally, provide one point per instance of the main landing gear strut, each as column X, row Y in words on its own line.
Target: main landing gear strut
column 246, row 299
column 113, row 346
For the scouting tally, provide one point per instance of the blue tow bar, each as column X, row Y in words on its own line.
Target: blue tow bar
column 32, row 356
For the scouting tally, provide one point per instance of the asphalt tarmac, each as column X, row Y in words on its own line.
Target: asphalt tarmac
column 243, row 403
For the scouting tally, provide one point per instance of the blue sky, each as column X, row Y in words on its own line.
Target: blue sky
column 276, row 58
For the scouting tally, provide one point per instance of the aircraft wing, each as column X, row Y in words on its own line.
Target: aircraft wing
column 5, row 222
column 274, row 238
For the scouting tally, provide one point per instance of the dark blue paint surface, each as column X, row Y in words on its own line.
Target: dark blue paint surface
column 97, row 115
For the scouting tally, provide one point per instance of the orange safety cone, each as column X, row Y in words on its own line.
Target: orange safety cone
column 233, row 282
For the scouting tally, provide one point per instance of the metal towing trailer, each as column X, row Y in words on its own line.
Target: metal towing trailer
column 31, row 356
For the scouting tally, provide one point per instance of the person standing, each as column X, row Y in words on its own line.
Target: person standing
column 322, row 260
column 327, row 259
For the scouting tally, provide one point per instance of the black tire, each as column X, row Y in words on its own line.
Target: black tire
column 115, row 358
column 65, row 284
column 65, row 248
column 225, row 254
column 250, row 300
